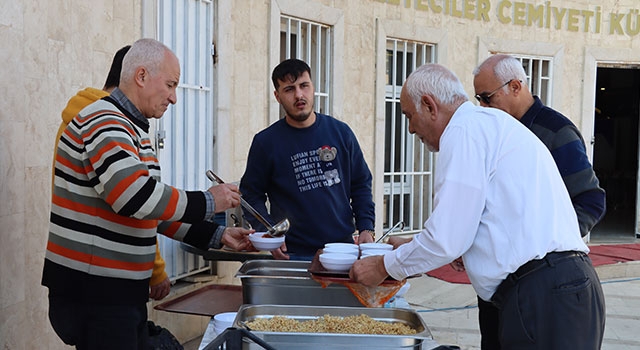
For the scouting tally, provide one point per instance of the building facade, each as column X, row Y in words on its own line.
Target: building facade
column 582, row 58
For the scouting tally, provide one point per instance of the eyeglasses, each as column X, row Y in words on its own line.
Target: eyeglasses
column 486, row 98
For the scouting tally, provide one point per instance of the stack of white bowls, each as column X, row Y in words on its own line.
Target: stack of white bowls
column 371, row 249
column 378, row 246
column 373, row 252
column 223, row 321
column 342, row 248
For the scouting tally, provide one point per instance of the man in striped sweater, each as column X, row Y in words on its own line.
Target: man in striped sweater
column 108, row 204
column 501, row 82
column 159, row 285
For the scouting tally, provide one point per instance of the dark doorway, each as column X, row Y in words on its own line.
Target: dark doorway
column 615, row 152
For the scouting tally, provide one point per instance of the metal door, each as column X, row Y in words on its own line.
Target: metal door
column 185, row 134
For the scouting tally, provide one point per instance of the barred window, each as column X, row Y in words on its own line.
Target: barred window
column 408, row 165
column 184, row 135
column 539, row 73
column 310, row 42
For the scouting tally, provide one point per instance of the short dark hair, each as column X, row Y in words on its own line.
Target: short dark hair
column 113, row 78
column 292, row 68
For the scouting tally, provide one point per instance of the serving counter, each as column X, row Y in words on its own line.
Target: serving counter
column 421, row 340
column 275, row 287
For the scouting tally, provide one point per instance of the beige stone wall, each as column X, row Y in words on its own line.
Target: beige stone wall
column 576, row 34
column 50, row 49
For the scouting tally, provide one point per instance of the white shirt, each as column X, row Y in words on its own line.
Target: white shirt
column 499, row 202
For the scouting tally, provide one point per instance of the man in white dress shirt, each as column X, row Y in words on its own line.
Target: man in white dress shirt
column 500, row 203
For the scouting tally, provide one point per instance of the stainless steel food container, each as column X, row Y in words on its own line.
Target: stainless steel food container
column 285, row 282
column 317, row 341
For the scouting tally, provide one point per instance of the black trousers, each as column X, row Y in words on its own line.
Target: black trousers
column 99, row 327
column 552, row 303
column 488, row 319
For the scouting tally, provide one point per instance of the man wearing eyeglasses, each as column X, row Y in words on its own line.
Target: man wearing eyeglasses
column 500, row 82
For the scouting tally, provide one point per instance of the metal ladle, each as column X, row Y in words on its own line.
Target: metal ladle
column 276, row 230
column 399, row 223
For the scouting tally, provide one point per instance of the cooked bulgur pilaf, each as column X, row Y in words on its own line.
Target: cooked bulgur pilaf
column 361, row 324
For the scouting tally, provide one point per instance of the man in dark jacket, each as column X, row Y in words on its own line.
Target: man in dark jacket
column 501, row 82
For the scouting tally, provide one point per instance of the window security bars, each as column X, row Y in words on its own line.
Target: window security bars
column 408, row 165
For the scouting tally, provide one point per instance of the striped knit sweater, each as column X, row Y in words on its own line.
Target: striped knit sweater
column 75, row 104
column 108, row 204
column 564, row 141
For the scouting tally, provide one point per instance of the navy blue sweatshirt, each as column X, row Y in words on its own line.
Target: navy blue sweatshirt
column 316, row 177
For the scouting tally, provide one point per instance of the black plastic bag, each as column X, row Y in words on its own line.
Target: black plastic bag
column 161, row 339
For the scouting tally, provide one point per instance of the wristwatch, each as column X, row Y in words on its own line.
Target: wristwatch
column 371, row 232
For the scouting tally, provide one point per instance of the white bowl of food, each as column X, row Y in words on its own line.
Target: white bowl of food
column 379, row 246
column 373, row 252
column 342, row 249
column 263, row 241
column 337, row 261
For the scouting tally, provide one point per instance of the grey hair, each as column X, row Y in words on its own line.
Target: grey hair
column 148, row 53
column 439, row 82
column 510, row 68
column 505, row 68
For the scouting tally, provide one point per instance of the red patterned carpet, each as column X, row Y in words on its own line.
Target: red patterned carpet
column 605, row 254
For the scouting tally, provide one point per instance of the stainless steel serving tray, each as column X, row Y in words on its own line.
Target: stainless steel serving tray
column 285, row 282
column 274, row 269
column 317, row 341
